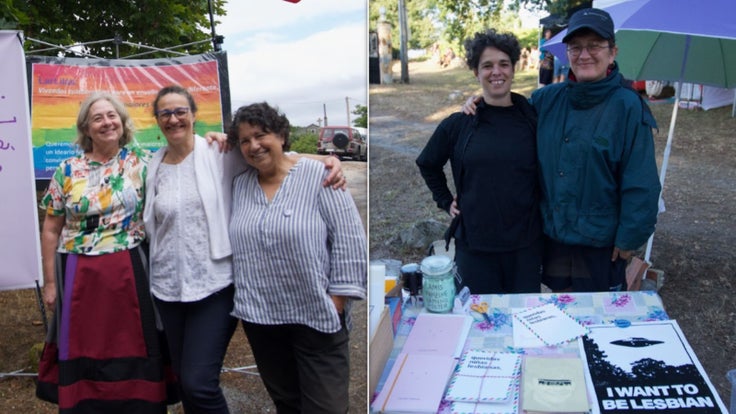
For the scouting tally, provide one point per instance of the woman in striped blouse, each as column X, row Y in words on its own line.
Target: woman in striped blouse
column 299, row 259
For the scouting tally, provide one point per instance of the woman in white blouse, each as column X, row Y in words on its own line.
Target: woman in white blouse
column 299, row 257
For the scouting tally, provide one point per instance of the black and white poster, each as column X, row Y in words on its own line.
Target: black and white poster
column 646, row 367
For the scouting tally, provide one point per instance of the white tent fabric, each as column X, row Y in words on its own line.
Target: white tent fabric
column 717, row 97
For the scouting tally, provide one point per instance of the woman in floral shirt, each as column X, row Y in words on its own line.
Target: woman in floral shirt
column 104, row 339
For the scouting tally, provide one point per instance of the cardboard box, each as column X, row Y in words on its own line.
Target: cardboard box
column 379, row 350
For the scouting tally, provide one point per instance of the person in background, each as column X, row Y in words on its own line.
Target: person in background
column 546, row 61
column 110, row 354
column 596, row 153
column 496, row 222
column 187, row 211
column 299, row 256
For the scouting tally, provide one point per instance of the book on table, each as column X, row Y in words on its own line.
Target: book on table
column 419, row 375
column 485, row 382
column 484, row 376
column 415, row 384
column 554, row 384
column 438, row 334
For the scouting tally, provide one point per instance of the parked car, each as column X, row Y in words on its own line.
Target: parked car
column 343, row 142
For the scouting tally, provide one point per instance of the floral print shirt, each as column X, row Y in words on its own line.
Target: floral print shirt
column 102, row 202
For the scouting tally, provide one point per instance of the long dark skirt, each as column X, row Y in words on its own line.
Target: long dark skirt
column 104, row 350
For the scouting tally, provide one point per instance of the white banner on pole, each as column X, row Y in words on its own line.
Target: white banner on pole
column 20, row 251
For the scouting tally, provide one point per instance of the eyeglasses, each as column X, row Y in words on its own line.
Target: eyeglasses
column 165, row 114
column 593, row 50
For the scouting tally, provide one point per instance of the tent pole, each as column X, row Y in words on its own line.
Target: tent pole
column 665, row 161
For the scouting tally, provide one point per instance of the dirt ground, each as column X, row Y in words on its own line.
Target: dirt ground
column 694, row 240
column 21, row 327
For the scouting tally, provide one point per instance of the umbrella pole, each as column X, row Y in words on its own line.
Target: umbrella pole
column 665, row 161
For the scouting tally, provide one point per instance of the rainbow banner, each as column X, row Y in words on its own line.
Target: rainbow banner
column 59, row 85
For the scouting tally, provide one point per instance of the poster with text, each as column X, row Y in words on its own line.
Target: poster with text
column 59, row 85
column 646, row 367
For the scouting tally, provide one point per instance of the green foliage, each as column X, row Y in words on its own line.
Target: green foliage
column 362, row 112
column 528, row 37
column 161, row 24
column 448, row 23
column 422, row 20
column 305, row 143
column 553, row 6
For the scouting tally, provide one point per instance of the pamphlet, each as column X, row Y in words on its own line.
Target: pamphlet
column 415, row 384
column 646, row 367
column 554, row 385
column 548, row 323
column 484, row 376
column 510, row 406
column 438, row 334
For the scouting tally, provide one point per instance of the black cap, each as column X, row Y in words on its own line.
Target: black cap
column 596, row 20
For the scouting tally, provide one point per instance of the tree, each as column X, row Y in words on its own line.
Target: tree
column 552, row 6
column 161, row 24
column 362, row 112
column 449, row 22
column 421, row 16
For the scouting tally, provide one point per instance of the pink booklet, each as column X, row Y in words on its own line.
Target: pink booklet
column 438, row 334
column 415, row 384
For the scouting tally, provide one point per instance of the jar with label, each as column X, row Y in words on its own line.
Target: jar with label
column 438, row 284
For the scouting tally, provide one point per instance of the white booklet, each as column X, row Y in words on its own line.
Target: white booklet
column 484, row 376
column 545, row 325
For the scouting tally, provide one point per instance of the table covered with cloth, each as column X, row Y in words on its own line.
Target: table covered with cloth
column 495, row 333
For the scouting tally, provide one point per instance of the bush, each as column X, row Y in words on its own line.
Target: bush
column 304, row 143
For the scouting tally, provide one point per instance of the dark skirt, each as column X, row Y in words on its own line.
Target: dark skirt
column 103, row 352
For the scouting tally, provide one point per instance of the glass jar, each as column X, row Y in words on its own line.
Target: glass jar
column 438, row 284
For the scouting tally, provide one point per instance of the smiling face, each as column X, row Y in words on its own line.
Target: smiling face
column 587, row 66
column 262, row 150
column 104, row 126
column 175, row 118
column 495, row 73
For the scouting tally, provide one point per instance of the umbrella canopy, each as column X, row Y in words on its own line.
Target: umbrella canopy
column 672, row 40
column 690, row 41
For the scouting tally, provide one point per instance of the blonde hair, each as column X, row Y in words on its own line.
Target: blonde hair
column 84, row 141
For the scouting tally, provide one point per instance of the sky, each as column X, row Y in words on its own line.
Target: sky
column 305, row 58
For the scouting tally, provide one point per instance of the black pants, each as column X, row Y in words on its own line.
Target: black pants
column 582, row 268
column 304, row 370
column 198, row 334
column 516, row 271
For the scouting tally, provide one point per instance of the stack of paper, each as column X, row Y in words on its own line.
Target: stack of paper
column 485, row 382
column 418, row 377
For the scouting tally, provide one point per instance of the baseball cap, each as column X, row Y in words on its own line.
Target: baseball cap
column 596, row 20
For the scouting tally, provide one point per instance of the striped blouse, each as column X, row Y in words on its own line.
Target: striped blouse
column 292, row 253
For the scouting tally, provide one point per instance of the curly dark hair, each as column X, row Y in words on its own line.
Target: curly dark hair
column 505, row 42
column 269, row 118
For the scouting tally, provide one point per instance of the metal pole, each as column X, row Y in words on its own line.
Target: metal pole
column 347, row 106
column 215, row 43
